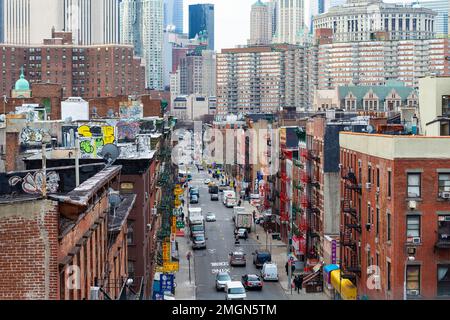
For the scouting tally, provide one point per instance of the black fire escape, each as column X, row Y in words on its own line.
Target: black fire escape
column 350, row 230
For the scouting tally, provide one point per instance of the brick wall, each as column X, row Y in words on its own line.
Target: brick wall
column 29, row 246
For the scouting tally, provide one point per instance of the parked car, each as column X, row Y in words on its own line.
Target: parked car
column 269, row 271
column 242, row 233
column 199, row 242
column 261, row 257
column 234, row 290
column 252, row 281
column 237, row 258
column 194, row 199
column 221, row 280
column 210, row 217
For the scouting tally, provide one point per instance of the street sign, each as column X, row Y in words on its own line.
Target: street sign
column 166, row 251
column 171, row 266
column 177, row 203
column 180, row 225
column 166, row 282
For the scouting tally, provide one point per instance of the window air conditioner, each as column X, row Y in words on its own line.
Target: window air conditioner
column 447, row 218
column 412, row 204
column 378, row 189
column 445, row 195
column 415, row 240
column 413, row 292
column 368, row 185
column 95, row 293
column 154, row 211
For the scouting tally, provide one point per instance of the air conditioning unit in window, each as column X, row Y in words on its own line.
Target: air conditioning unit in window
column 447, row 218
column 368, row 185
column 413, row 292
column 415, row 240
column 95, row 293
column 154, row 211
column 412, row 205
column 445, row 195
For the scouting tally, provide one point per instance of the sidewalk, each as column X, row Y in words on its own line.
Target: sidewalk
column 279, row 256
column 185, row 290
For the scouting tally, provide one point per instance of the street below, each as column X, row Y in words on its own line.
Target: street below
column 220, row 242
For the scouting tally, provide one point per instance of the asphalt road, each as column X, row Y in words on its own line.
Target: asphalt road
column 220, row 242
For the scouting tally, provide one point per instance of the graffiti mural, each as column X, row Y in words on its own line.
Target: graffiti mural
column 32, row 135
column 32, row 183
column 135, row 111
column 93, row 137
column 127, row 130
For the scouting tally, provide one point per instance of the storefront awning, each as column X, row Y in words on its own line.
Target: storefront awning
column 345, row 287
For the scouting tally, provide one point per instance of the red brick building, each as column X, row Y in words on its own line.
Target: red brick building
column 63, row 245
column 395, row 220
column 82, row 71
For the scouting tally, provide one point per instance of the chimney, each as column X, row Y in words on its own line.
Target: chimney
column 12, row 151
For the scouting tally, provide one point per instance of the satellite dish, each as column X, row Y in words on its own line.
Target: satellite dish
column 370, row 129
column 110, row 152
column 114, row 198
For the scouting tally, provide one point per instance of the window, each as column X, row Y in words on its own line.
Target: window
column 444, row 183
column 130, row 232
column 412, row 227
column 445, row 105
column 131, row 269
column 369, row 174
column 389, row 183
column 369, row 218
column 443, row 281
column 388, row 276
column 378, row 177
column 413, row 280
column 413, row 185
column 444, row 228
column 378, row 222
column 388, row 229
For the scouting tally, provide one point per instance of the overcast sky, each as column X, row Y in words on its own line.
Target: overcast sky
column 232, row 20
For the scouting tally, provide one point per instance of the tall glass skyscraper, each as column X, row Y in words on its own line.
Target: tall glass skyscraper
column 173, row 14
column 201, row 20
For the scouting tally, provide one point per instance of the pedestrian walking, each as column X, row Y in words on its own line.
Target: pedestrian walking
column 297, row 284
column 239, row 203
column 286, row 267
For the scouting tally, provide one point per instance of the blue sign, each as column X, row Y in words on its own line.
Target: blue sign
column 166, row 282
column 158, row 296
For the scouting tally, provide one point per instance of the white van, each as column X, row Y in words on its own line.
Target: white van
column 269, row 271
column 234, row 290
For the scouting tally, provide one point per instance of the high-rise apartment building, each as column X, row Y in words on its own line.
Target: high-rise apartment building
column 262, row 79
column 365, row 20
column 201, row 21
column 442, row 9
column 372, row 63
column 30, row 21
column 87, row 71
column 173, row 14
column 2, row 26
column 260, row 24
column 290, row 21
column 92, row 22
column 142, row 25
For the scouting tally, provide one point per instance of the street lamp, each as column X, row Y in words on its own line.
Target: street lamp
column 410, row 258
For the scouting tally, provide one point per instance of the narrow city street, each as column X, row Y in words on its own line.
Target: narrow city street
column 220, row 242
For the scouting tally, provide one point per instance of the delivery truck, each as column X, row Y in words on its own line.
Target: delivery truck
column 242, row 219
column 229, row 198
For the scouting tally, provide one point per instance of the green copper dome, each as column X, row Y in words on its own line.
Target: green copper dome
column 22, row 84
column 259, row 4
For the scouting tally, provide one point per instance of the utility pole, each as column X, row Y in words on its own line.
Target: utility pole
column 77, row 160
column 44, row 169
